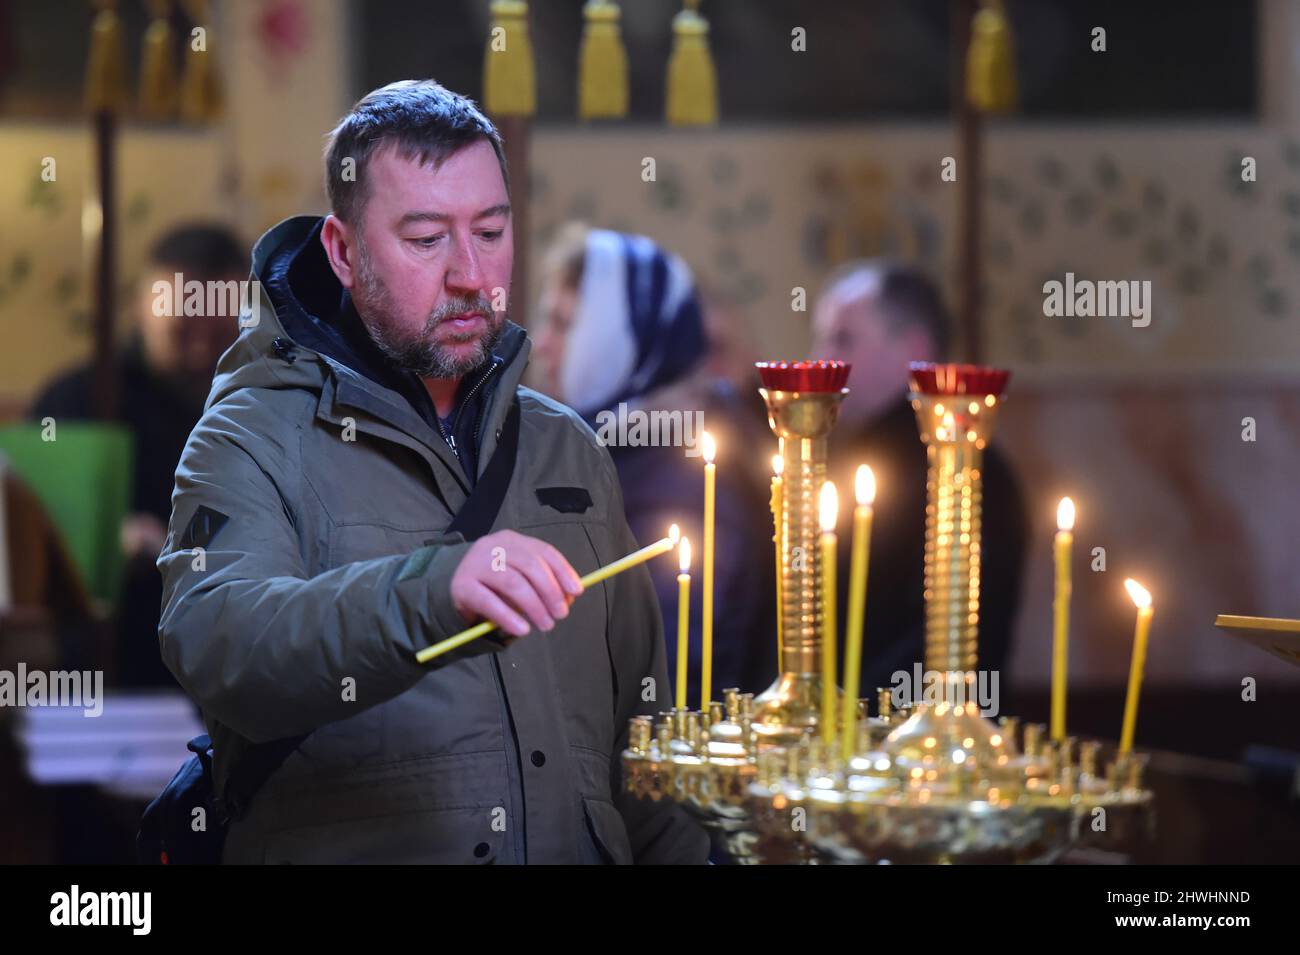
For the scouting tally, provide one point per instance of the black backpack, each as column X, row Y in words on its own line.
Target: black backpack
column 186, row 823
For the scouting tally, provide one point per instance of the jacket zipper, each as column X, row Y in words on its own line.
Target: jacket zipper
column 450, row 436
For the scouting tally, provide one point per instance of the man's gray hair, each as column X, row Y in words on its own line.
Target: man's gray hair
column 423, row 120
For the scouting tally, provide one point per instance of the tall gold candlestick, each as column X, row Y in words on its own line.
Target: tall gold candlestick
column 1142, row 598
column 662, row 546
column 829, row 513
column 778, row 490
column 864, row 487
column 802, row 400
column 1061, row 615
column 683, row 619
column 706, row 607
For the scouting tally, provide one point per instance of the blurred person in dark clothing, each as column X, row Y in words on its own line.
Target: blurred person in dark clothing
column 880, row 316
column 163, row 375
column 622, row 324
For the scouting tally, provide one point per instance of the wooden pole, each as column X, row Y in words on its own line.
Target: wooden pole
column 105, row 267
column 970, row 174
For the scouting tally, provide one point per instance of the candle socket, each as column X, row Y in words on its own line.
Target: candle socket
column 1033, row 737
column 1088, row 758
column 1067, row 751
column 884, row 700
column 731, row 703
column 715, row 715
column 1137, row 765
column 1010, row 729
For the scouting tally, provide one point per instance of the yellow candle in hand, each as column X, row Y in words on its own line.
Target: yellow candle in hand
column 662, row 546
column 864, row 486
column 683, row 619
column 778, row 495
column 829, row 512
column 706, row 608
column 1061, row 614
column 1142, row 598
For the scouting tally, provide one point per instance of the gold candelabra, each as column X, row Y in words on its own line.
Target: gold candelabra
column 930, row 780
column 803, row 401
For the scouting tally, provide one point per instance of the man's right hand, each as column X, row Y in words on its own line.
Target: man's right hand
column 519, row 583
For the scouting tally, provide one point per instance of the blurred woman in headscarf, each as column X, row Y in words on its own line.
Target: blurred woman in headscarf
column 622, row 336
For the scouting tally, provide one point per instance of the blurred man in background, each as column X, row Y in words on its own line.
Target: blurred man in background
column 163, row 375
column 880, row 316
column 622, row 324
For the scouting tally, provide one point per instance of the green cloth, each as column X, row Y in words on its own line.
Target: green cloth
column 83, row 478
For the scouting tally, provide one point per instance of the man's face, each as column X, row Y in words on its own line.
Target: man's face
column 184, row 346
column 853, row 328
column 433, row 254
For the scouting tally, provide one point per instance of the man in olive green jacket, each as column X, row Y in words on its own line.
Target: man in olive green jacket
column 309, row 557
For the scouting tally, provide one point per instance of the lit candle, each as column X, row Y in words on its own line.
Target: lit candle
column 864, row 490
column 683, row 619
column 778, row 493
column 661, row 546
column 1142, row 598
column 1061, row 614
column 830, row 506
column 710, row 494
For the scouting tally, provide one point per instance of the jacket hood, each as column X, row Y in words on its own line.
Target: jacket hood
column 303, row 329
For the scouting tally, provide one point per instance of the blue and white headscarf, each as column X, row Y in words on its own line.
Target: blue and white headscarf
column 637, row 327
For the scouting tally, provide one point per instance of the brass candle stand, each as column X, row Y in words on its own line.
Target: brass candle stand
column 803, row 401
column 928, row 782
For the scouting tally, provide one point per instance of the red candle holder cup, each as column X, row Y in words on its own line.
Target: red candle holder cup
column 931, row 378
column 826, row 375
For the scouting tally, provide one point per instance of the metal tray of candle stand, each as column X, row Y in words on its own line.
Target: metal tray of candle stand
column 933, row 783
column 1028, row 809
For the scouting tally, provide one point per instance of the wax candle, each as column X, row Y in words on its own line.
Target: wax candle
column 864, row 488
column 1142, row 598
column 706, row 608
column 1061, row 614
column 829, row 512
column 683, row 619
column 778, row 493
column 661, row 546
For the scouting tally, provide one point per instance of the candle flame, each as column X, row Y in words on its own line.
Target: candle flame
column 864, row 485
column 1065, row 515
column 684, row 555
column 830, row 506
column 674, row 533
column 710, row 447
column 778, row 464
column 1141, row 596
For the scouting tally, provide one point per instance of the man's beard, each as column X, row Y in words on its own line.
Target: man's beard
column 421, row 353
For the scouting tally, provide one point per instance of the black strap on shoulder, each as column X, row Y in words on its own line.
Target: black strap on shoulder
column 479, row 512
column 472, row 521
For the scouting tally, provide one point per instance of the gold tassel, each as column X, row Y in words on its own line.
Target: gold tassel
column 201, row 98
column 692, row 81
column 106, row 68
column 158, row 65
column 602, row 71
column 990, row 63
column 509, row 82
